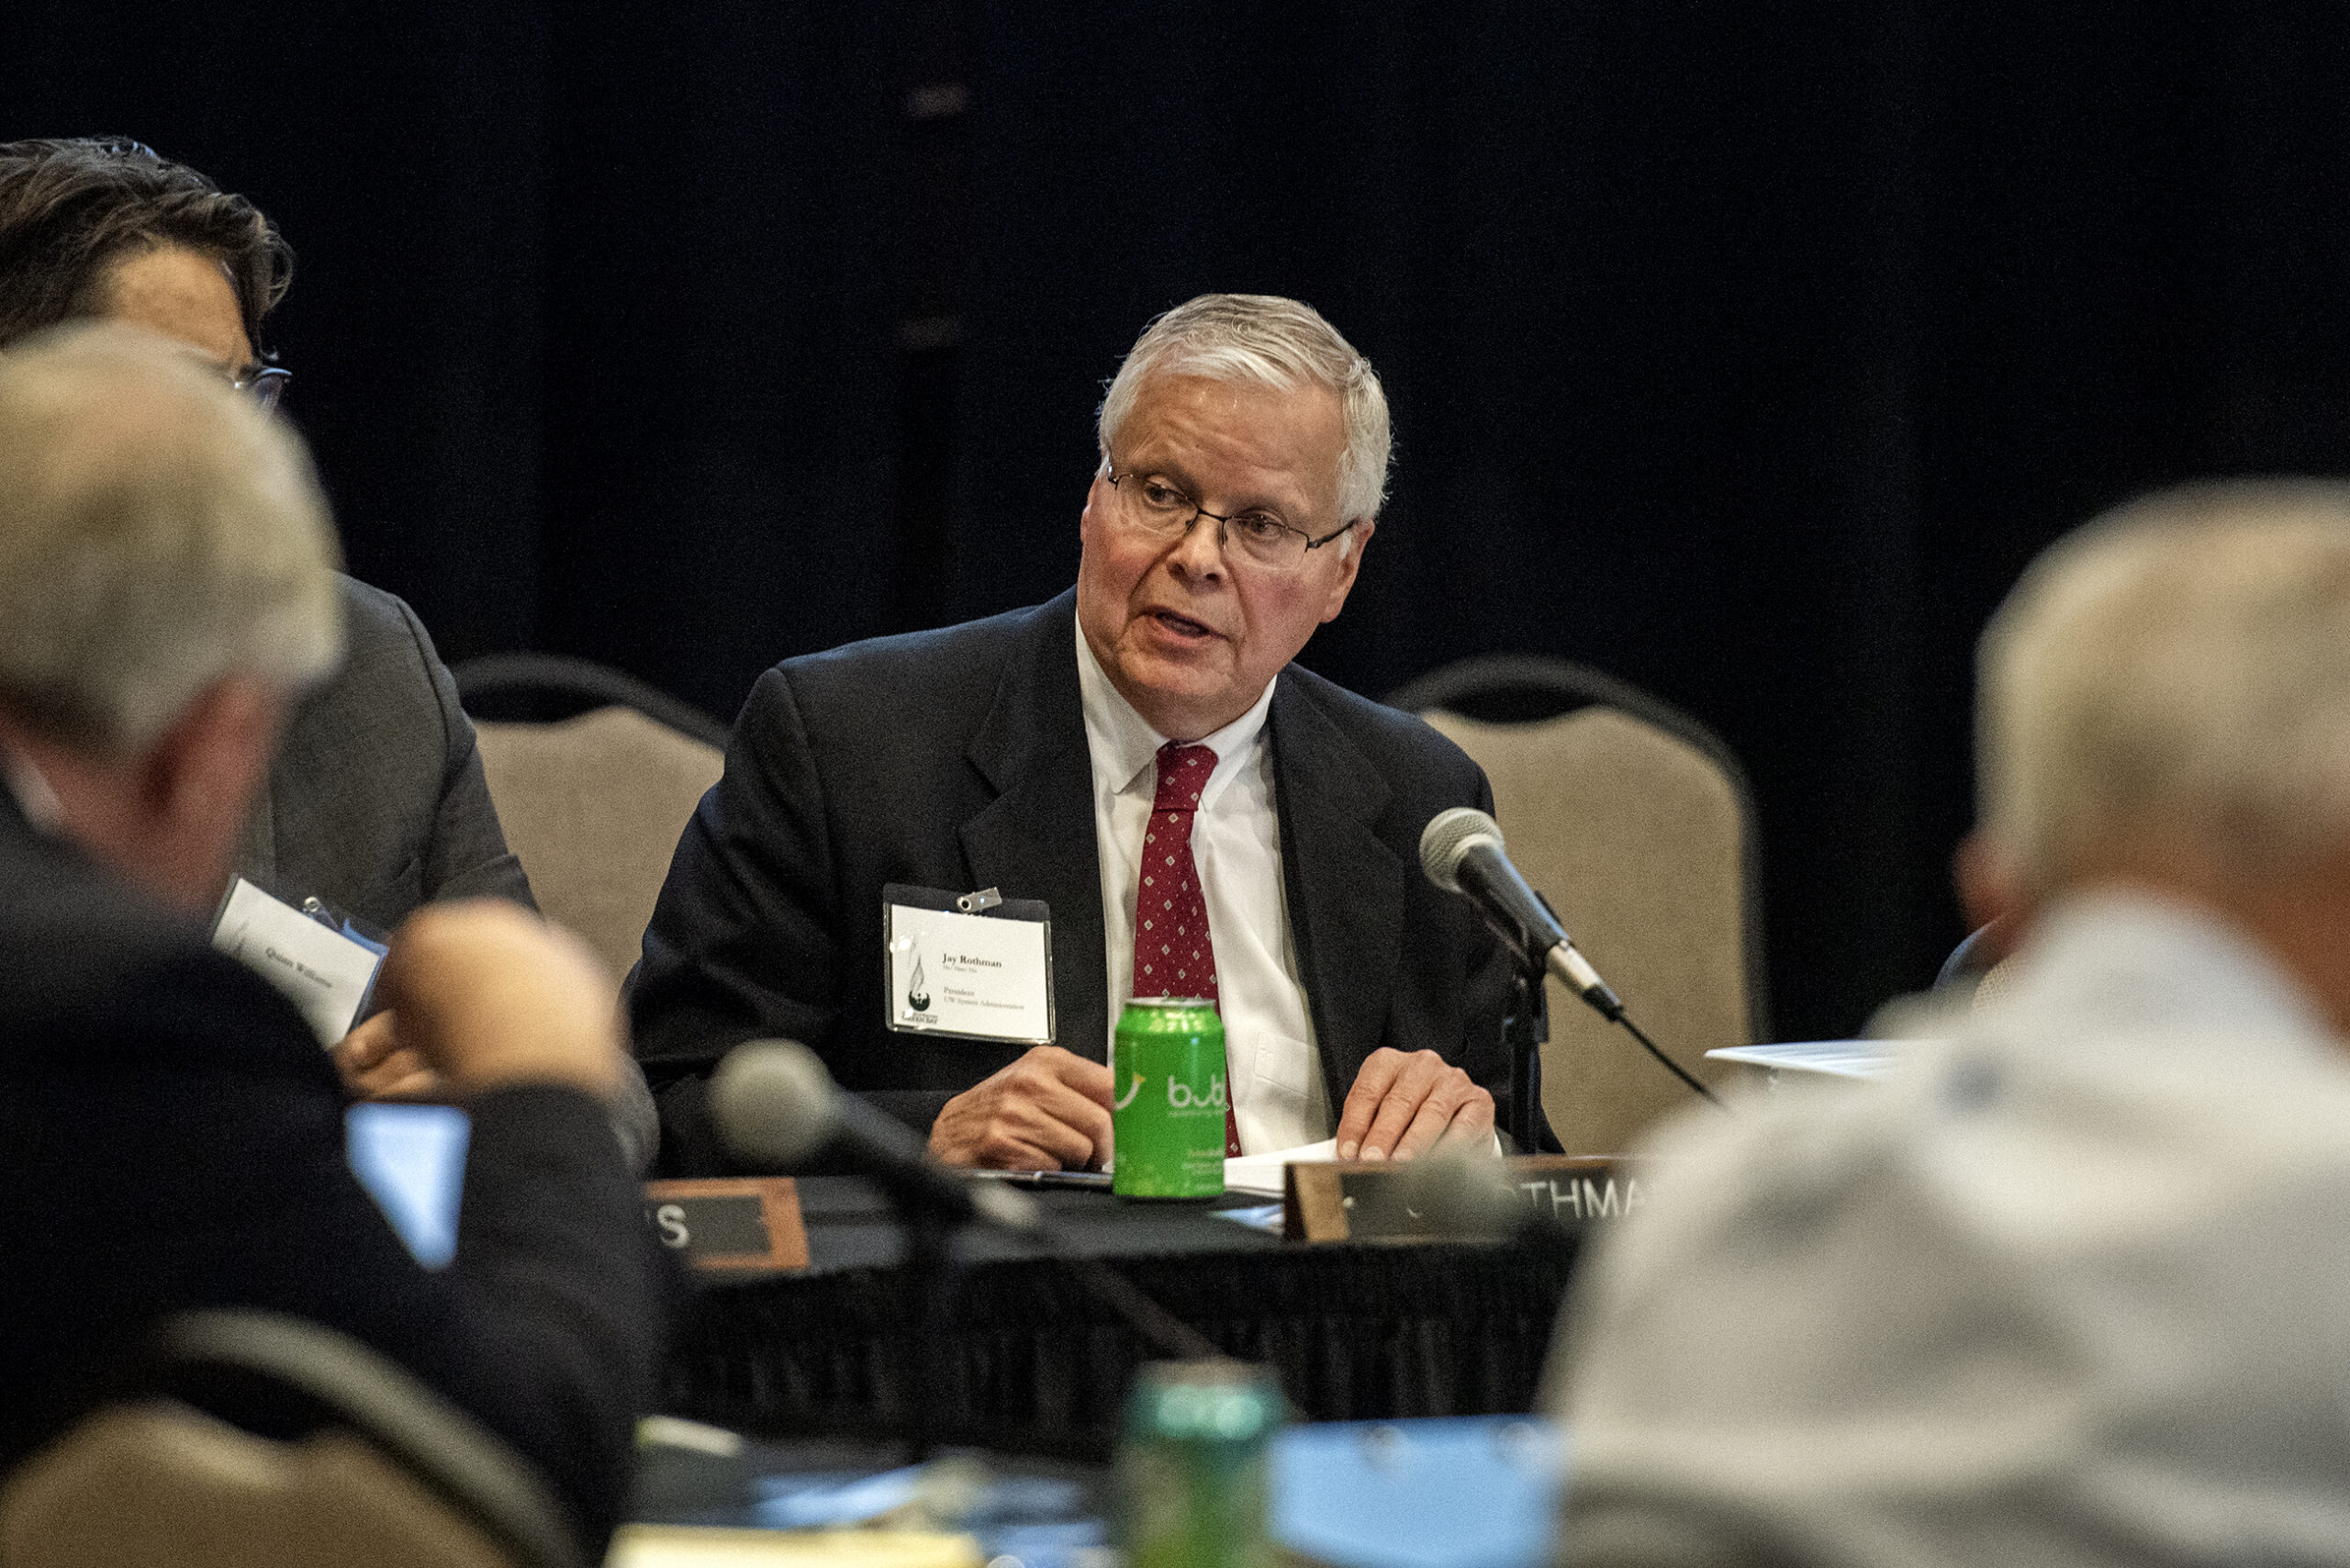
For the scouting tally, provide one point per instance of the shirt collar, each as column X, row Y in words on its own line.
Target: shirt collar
column 2125, row 956
column 1124, row 745
column 43, row 811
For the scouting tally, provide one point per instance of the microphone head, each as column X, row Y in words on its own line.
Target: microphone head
column 772, row 1100
column 1448, row 836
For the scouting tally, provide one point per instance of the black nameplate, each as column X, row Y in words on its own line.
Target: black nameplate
column 1357, row 1200
column 711, row 1227
column 730, row 1223
column 1581, row 1197
column 1379, row 1207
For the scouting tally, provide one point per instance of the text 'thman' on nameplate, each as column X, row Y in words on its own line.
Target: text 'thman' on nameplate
column 733, row 1224
column 1384, row 1201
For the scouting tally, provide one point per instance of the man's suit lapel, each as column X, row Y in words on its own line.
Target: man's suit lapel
column 1035, row 839
column 1345, row 887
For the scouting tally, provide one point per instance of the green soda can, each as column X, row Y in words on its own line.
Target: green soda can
column 1192, row 1476
column 1167, row 1099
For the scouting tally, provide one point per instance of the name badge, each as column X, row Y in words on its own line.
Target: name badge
column 323, row 970
column 973, row 966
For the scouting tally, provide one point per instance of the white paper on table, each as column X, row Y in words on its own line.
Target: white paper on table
column 1835, row 1058
column 321, row 971
column 1261, row 1174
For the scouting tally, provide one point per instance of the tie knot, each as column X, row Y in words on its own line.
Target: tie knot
column 1183, row 773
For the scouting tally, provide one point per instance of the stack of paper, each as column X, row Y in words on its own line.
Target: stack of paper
column 1260, row 1174
column 1834, row 1058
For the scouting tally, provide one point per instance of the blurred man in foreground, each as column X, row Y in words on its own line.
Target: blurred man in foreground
column 2072, row 1285
column 170, row 1136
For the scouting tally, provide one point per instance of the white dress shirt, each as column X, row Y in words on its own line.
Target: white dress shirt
column 1279, row 1099
column 2068, row 1288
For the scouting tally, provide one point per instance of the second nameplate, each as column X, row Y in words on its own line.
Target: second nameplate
column 1417, row 1200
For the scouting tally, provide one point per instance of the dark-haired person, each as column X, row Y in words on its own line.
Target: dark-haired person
column 171, row 1137
column 376, row 802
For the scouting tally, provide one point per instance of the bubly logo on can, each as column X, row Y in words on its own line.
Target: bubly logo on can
column 1183, row 1097
column 1172, row 1088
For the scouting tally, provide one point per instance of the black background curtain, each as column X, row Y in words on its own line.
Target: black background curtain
column 1744, row 352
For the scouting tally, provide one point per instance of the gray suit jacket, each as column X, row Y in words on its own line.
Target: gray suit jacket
column 377, row 803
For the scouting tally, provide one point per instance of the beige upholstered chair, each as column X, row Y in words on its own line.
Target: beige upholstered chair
column 1635, row 823
column 157, row 1482
column 593, row 807
column 388, row 1476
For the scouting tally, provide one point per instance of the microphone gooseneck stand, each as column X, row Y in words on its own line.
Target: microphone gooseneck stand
column 778, row 1109
column 1461, row 852
column 1525, row 1027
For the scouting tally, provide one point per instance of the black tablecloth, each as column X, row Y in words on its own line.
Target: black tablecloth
column 1030, row 1359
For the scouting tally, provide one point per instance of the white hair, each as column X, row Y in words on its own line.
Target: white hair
column 2180, row 664
column 158, row 533
column 1275, row 343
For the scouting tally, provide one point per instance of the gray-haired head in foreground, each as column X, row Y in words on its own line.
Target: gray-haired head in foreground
column 2181, row 665
column 1275, row 343
column 158, row 533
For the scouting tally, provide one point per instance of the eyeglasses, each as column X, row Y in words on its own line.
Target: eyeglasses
column 264, row 383
column 1156, row 507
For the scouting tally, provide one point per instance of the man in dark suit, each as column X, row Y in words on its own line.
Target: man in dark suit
column 1152, row 714
column 377, row 802
column 170, row 1136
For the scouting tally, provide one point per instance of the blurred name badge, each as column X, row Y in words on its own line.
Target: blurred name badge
column 968, row 965
column 323, row 970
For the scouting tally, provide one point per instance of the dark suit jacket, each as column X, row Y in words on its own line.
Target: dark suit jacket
column 958, row 759
column 377, row 802
column 171, row 1137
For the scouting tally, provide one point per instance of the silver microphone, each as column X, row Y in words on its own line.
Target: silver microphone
column 778, row 1109
column 1461, row 851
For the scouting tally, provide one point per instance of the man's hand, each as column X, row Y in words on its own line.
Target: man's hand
column 1404, row 1105
column 1048, row 1110
column 375, row 1065
column 488, row 995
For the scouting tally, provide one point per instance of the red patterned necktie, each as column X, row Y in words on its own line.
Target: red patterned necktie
column 1172, row 954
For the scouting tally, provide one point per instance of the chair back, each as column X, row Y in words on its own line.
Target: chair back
column 541, row 687
column 158, row 1481
column 592, row 807
column 376, row 1471
column 1636, row 822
